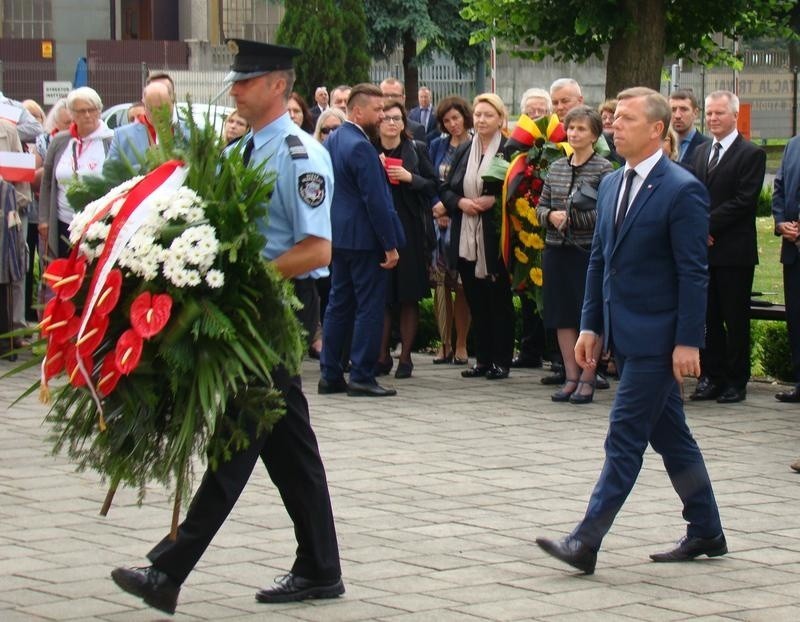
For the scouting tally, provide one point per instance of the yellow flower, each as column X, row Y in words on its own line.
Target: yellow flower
column 531, row 216
column 521, row 257
column 536, row 242
column 515, row 223
column 536, row 276
column 522, row 206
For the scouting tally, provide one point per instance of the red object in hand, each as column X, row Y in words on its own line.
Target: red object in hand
column 387, row 162
column 149, row 313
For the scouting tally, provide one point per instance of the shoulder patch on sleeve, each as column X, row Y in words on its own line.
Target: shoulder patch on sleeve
column 311, row 188
column 296, row 148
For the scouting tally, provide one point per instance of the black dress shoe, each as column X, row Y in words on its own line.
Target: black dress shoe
column 601, row 383
column 151, row 585
column 572, row 551
column 579, row 397
column 562, row 395
column 526, row 360
column 705, row 390
column 555, row 378
column 292, row 588
column 497, row 372
column 383, row 368
column 404, row 370
column 476, row 371
column 791, row 397
column 458, row 361
column 443, row 360
column 731, row 395
column 688, row 548
column 325, row 387
column 367, row 389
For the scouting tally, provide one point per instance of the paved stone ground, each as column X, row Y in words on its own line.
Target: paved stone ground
column 439, row 494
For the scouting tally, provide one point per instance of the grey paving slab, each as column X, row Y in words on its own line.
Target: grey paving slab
column 439, row 494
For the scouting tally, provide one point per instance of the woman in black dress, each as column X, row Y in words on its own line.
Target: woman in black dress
column 413, row 183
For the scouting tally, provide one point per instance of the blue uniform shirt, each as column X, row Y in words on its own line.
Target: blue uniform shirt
column 301, row 198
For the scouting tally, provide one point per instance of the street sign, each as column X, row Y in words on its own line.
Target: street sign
column 54, row 90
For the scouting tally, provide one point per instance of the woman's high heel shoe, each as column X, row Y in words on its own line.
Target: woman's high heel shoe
column 443, row 359
column 563, row 394
column 582, row 398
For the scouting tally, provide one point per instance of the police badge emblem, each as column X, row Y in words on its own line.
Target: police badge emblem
column 311, row 187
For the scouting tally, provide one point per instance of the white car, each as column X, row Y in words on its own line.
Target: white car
column 216, row 114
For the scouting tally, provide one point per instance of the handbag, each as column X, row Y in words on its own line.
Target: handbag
column 584, row 198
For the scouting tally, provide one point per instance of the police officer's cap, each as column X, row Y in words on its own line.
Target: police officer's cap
column 255, row 59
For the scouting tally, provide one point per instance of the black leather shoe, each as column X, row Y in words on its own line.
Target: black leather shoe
column 443, row 360
column 571, row 551
column 476, row 371
column 527, row 361
column 325, row 387
column 688, row 548
column 554, row 379
column 366, row 389
column 705, row 390
column 567, row 389
column 579, row 397
column 151, row 585
column 383, row 368
column 601, row 382
column 731, row 395
column 791, row 397
column 292, row 588
column 404, row 370
column 497, row 372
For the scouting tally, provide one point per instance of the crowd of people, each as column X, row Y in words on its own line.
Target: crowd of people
column 376, row 206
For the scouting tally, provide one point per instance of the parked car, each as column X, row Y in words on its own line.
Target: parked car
column 216, row 114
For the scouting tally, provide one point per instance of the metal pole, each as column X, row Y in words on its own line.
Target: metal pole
column 795, row 70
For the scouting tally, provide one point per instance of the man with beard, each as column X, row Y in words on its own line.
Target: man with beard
column 366, row 235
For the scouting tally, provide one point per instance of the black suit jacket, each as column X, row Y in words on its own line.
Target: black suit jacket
column 734, row 186
column 697, row 140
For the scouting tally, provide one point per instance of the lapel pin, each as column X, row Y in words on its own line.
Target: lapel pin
column 649, row 186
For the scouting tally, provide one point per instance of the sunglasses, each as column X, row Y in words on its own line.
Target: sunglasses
column 327, row 130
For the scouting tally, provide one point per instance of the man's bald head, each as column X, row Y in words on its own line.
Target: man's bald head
column 155, row 95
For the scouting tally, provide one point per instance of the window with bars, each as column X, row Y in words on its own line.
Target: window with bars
column 256, row 20
column 28, row 19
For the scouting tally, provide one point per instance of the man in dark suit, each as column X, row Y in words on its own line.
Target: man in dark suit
column 394, row 90
column 786, row 212
column 685, row 110
column 366, row 235
column 425, row 114
column 732, row 169
column 646, row 293
column 321, row 105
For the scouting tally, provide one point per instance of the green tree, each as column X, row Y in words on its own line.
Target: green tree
column 315, row 27
column 354, row 32
column 421, row 28
column 634, row 36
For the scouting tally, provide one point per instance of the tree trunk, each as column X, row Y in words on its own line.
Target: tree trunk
column 636, row 56
column 410, row 71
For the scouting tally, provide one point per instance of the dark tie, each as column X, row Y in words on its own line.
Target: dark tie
column 248, row 151
column 424, row 117
column 626, row 195
column 712, row 163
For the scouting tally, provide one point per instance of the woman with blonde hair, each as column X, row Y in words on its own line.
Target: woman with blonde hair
column 475, row 239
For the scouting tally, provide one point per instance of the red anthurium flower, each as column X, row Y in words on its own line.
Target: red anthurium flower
column 109, row 375
column 128, row 351
column 109, row 296
column 93, row 335
column 59, row 322
column 74, row 374
column 149, row 314
column 65, row 276
column 54, row 363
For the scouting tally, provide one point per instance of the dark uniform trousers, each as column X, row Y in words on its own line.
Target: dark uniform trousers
column 291, row 455
column 492, row 310
column 791, row 294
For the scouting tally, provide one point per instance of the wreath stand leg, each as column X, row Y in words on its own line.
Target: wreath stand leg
column 112, row 490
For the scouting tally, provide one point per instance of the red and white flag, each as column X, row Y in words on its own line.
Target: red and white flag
column 15, row 167
column 10, row 113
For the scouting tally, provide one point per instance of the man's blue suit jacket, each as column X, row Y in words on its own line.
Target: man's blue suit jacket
column 646, row 287
column 362, row 212
column 132, row 142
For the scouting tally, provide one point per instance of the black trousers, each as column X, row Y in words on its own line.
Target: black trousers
column 532, row 342
column 791, row 294
column 492, row 312
column 291, row 455
column 726, row 358
column 306, row 292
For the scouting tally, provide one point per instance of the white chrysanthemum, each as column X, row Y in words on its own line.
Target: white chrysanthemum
column 215, row 279
column 98, row 231
column 193, row 278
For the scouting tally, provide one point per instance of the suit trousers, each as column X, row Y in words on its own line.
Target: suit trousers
column 791, row 294
column 726, row 358
column 492, row 310
column 355, row 306
column 648, row 409
column 291, row 455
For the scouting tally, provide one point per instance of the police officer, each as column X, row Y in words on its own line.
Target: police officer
column 298, row 234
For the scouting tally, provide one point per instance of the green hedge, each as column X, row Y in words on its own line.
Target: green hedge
column 770, row 353
column 764, row 207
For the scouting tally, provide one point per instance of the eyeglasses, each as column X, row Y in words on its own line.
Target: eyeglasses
column 393, row 119
column 85, row 111
column 327, row 130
